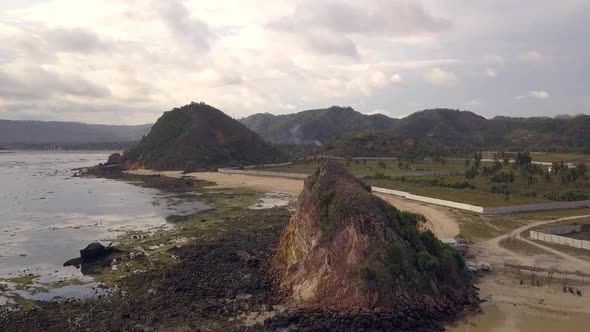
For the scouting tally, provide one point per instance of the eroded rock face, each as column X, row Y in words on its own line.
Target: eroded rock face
column 346, row 248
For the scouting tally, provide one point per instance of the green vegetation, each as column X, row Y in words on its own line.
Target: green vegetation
column 498, row 183
column 477, row 227
column 197, row 137
column 426, row 260
column 370, row 168
column 553, row 214
column 314, row 126
column 348, row 133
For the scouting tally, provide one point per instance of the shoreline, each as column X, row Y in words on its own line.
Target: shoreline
column 155, row 284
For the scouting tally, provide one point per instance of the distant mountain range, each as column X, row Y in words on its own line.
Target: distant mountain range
column 437, row 126
column 35, row 133
column 340, row 126
column 314, row 126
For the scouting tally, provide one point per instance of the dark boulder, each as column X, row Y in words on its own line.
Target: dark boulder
column 95, row 251
column 94, row 257
column 114, row 159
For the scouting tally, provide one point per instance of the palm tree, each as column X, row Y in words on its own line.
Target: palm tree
column 530, row 180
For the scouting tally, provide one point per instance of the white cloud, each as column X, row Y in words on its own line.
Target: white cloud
column 493, row 60
column 127, row 61
column 438, row 76
column 491, row 73
column 532, row 57
column 397, row 79
column 534, row 94
column 539, row 94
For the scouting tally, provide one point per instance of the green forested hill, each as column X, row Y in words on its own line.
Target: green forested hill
column 199, row 137
column 444, row 128
column 314, row 126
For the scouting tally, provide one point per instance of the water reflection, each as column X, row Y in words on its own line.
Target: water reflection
column 48, row 216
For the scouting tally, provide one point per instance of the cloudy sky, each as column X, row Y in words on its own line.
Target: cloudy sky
column 127, row 61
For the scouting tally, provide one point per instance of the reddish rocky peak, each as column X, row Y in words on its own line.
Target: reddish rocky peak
column 345, row 248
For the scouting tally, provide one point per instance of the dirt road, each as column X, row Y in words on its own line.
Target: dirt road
column 440, row 220
column 492, row 251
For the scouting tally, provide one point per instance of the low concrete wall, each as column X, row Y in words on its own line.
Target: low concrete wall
column 431, row 200
column 263, row 166
column 263, row 173
column 566, row 241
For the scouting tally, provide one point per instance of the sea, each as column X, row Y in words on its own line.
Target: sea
column 47, row 215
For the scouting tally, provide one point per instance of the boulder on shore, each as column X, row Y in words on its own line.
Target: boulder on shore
column 95, row 251
column 93, row 257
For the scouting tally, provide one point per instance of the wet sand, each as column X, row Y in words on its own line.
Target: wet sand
column 440, row 220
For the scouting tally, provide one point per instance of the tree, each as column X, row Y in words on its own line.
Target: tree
column 522, row 160
column 567, row 176
column 582, row 170
column 497, row 167
column 487, row 172
column 471, row 172
column 547, row 177
column 530, row 180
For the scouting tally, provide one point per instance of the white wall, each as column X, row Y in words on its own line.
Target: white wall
column 566, row 241
column 436, row 201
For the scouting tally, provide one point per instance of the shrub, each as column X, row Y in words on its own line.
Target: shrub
column 394, row 260
column 566, row 196
column 371, row 277
column 503, row 177
column 427, row 263
column 500, row 189
column 529, row 194
column 381, row 176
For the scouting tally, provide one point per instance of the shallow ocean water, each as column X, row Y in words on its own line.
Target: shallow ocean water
column 47, row 216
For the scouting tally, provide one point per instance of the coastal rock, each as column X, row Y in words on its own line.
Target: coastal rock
column 347, row 249
column 113, row 159
column 94, row 251
column 93, row 257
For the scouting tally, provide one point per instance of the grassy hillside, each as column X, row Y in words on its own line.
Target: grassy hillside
column 314, row 126
column 350, row 133
column 198, row 136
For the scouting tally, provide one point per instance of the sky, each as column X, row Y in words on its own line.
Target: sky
column 127, row 61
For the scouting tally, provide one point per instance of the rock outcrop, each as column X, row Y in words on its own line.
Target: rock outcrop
column 345, row 248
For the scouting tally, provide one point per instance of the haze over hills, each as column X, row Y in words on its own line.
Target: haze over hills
column 342, row 126
column 314, row 126
column 437, row 126
column 199, row 137
column 66, row 133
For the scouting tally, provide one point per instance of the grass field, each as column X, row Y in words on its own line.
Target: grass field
column 474, row 197
column 477, row 227
column 477, row 191
column 582, row 221
column 553, row 214
column 371, row 167
column 566, row 157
